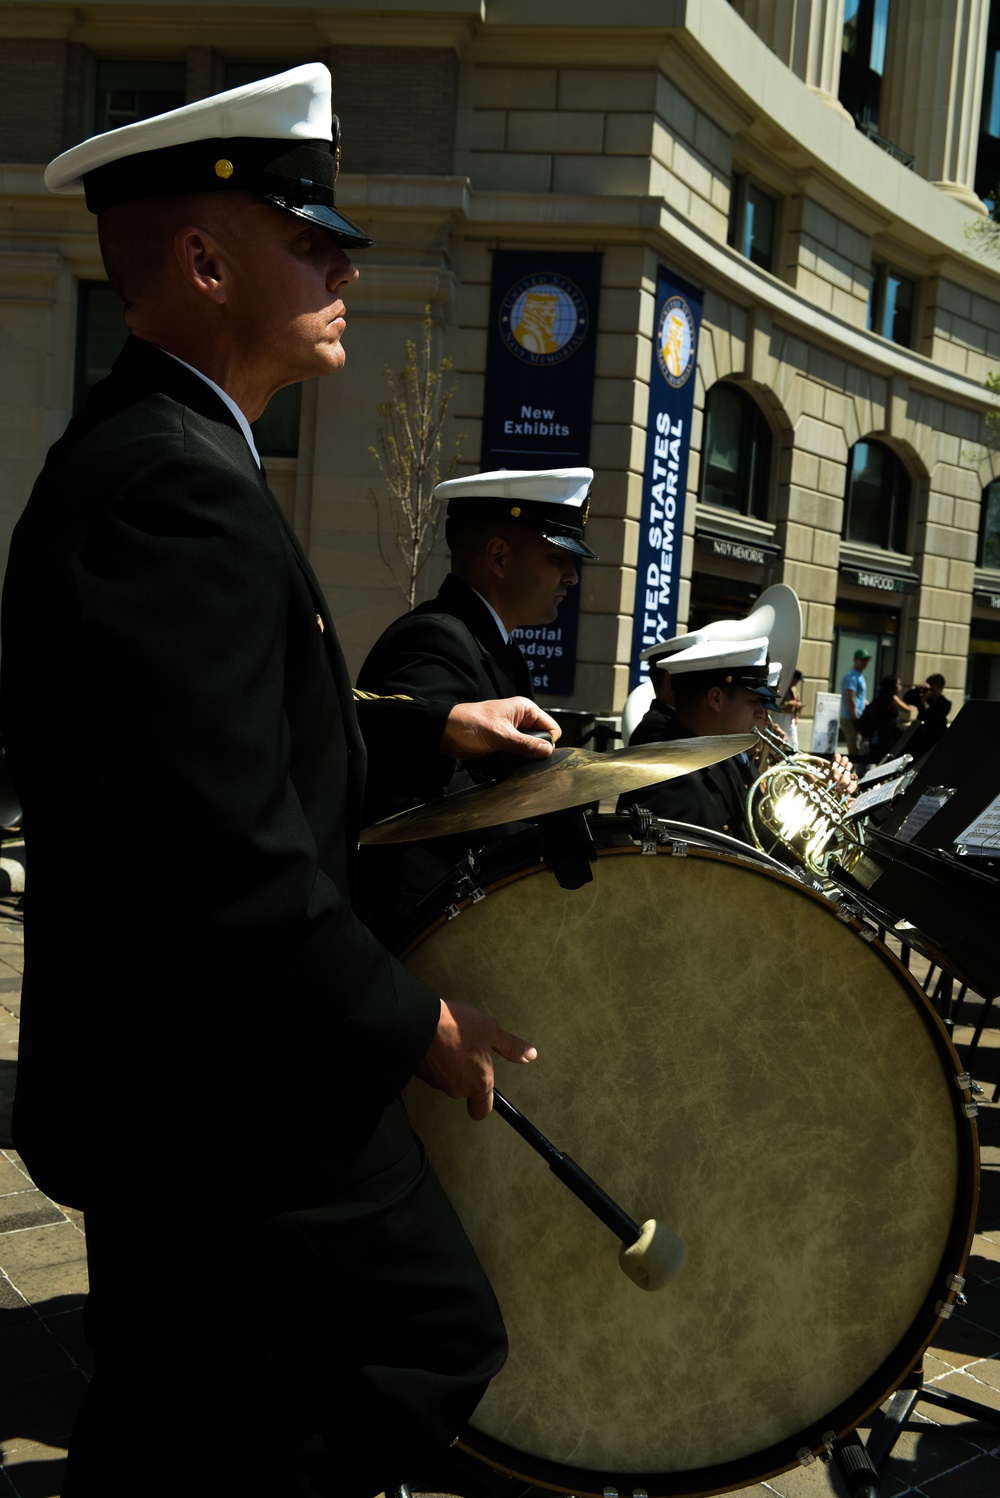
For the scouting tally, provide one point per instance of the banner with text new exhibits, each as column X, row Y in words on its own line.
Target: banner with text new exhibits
column 540, row 352
column 664, row 483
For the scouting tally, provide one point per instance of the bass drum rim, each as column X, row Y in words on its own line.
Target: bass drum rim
column 813, row 1439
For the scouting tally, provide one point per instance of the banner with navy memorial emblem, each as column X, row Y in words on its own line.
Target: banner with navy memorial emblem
column 540, row 354
column 668, row 442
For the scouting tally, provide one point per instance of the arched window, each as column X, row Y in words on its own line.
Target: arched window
column 989, row 527
column 736, row 452
column 877, row 511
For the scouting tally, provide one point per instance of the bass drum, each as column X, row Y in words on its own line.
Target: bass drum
column 723, row 1052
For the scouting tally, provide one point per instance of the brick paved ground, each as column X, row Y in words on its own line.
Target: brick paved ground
column 44, row 1360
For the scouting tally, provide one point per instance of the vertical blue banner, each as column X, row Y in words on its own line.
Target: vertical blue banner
column 664, row 483
column 540, row 355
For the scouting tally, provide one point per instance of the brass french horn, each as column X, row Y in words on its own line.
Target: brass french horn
column 796, row 815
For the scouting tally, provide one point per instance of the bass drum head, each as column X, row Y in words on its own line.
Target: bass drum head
column 720, row 1051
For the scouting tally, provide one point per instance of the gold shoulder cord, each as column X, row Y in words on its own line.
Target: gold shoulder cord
column 360, row 696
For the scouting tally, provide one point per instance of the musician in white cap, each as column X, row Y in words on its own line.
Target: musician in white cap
column 707, row 688
column 281, row 1299
column 515, row 537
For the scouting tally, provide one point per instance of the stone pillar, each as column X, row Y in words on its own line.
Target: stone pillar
column 807, row 35
column 932, row 90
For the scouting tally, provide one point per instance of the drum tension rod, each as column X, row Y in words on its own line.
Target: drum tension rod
column 650, row 1254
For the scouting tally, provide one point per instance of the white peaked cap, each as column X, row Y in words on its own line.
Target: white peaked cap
column 552, row 501
column 284, row 139
column 711, row 655
column 551, row 486
column 776, row 616
column 290, row 106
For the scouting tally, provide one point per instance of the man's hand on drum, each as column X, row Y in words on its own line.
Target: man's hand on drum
column 459, row 1062
column 504, row 725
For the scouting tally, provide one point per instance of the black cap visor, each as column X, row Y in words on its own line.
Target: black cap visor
column 754, row 679
column 344, row 231
column 568, row 540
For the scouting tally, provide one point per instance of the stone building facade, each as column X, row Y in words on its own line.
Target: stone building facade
column 814, row 169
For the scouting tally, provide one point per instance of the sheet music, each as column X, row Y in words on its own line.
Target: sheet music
column 880, row 772
column 929, row 804
column 877, row 795
column 982, row 837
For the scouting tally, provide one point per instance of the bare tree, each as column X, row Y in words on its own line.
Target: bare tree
column 409, row 451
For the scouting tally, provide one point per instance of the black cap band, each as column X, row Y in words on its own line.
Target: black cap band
column 296, row 175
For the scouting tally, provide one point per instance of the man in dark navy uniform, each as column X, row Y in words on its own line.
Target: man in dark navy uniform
column 514, row 537
column 306, row 1315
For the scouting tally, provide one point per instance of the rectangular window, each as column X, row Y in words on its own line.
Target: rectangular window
column 131, row 91
column 891, row 304
column 236, row 74
column 100, row 334
column 753, row 218
column 880, row 30
column 866, row 27
column 991, row 114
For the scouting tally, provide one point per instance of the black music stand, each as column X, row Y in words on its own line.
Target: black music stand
column 914, row 884
column 947, row 908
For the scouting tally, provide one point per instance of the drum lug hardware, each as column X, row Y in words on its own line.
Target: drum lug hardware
column 472, row 895
column 610, row 1493
column 955, row 1282
column 965, row 1083
column 465, row 887
column 866, row 932
column 645, row 829
column 680, row 849
column 944, row 1309
column 828, row 1439
column 805, row 1457
column 639, row 1493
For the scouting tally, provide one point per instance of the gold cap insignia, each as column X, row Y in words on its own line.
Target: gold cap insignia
column 336, row 167
column 586, row 514
column 515, row 510
column 224, row 168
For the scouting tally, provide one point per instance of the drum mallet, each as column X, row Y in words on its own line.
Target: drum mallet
column 650, row 1255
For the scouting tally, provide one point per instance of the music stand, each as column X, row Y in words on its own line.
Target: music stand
column 913, row 878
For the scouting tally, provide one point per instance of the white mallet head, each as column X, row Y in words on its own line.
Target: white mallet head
column 655, row 1256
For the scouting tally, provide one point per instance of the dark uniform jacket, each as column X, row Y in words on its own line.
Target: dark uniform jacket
column 714, row 797
column 449, row 649
column 180, row 728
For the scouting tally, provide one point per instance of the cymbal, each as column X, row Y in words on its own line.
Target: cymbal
column 569, row 777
